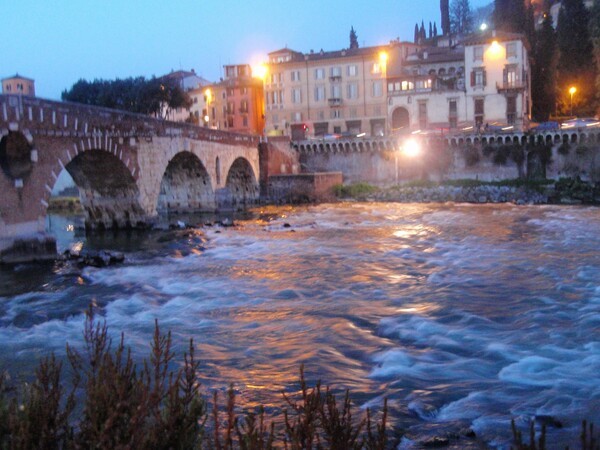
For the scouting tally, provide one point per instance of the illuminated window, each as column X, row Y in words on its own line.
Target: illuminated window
column 407, row 86
column 376, row 68
column 510, row 76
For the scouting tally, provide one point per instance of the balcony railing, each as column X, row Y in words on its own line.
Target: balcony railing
column 335, row 78
column 335, row 101
column 511, row 86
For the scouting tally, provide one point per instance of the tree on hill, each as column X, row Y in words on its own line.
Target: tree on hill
column 575, row 63
column 545, row 56
column 138, row 95
column 353, row 38
column 445, row 12
column 461, row 17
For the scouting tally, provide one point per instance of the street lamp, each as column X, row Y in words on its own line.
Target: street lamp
column 572, row 90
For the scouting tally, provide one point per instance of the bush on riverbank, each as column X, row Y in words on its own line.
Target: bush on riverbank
column 113, row 404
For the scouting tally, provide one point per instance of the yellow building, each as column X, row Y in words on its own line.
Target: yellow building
column 18, row 85
column 339, row 92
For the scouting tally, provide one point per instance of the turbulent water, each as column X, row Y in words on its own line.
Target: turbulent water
column 463, row 316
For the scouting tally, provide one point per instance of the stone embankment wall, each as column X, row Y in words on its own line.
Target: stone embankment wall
column 388, row 167
column 302, row 188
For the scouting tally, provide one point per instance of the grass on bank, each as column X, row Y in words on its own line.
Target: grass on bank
column 112, row 403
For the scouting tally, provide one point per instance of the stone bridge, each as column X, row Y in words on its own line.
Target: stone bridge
column 128, row 167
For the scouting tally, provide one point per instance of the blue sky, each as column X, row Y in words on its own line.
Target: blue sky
column 58, row 42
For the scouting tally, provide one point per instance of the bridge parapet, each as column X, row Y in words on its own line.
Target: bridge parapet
column 52, row 118
column 385, row 143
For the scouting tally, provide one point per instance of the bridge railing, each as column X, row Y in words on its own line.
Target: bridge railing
column 87, row 119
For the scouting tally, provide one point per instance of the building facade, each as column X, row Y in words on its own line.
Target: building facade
column 18, row 85
column 484, row 81
column 335, row 92
column 236, row 103
column 188, row 81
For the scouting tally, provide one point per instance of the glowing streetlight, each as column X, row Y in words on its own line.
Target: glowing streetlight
column 483, row 26
column 572, row 91
column 411, row 148
column 208, row 99
column 260, row 71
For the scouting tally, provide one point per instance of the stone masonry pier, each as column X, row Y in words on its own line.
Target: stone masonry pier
column 128, row 167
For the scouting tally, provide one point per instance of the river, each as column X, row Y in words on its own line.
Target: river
column 463, row 316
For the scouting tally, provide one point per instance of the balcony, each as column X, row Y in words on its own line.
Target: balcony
column 335, row 101
column 335, row 78
column 508, row 87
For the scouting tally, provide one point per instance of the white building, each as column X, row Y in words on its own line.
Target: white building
column 483, row 81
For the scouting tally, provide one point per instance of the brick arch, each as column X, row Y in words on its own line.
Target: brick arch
column 185, row 186
column 241, row 186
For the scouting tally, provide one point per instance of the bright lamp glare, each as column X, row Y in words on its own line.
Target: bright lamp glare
column 411, row 148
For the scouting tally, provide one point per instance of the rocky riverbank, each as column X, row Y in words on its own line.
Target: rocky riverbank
column 472, row 194
column 569, row 191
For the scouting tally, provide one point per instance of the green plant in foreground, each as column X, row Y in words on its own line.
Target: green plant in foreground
column 122, row 406
column 587, row 439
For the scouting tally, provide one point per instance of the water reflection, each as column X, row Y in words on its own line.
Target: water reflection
column 463, row 316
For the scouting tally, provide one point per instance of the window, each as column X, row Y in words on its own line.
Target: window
column 335, row 71
column 510, row 76
column 295, row 75
column 244, row 106
column 8, row 88
column 377, row 88
column 230, row 108
column 376, row 68
column 230, row 92
column 296, row 95
column 352, row 71
column 319, row 93
column 511, row 109
column 477, row 53
column 479, row 111
column 424, row 84
column 407, row 86
column 319, row 74
column 296, row 117
column 352, row 90
column 336, row 113
column 336, row 91
column 245, row 121
column 511, row 50
column 478, row 77
column 422, row 115
column 452, row 114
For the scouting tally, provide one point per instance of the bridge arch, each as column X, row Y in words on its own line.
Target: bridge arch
column 185, row 185
column 107, row 189
column 241, row 186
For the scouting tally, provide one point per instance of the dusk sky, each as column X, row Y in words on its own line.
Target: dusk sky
column 59, row 42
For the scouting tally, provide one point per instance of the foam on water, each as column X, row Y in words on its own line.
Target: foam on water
column 462, row 315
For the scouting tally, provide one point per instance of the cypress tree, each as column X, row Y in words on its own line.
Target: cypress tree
column 445, row 12
column 575, row 63
column 416, row 33
column 543, row 88
column 353, row 38
column 595, row 36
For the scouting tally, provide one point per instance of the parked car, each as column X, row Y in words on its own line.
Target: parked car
column 581, row 122
column 545, row 126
